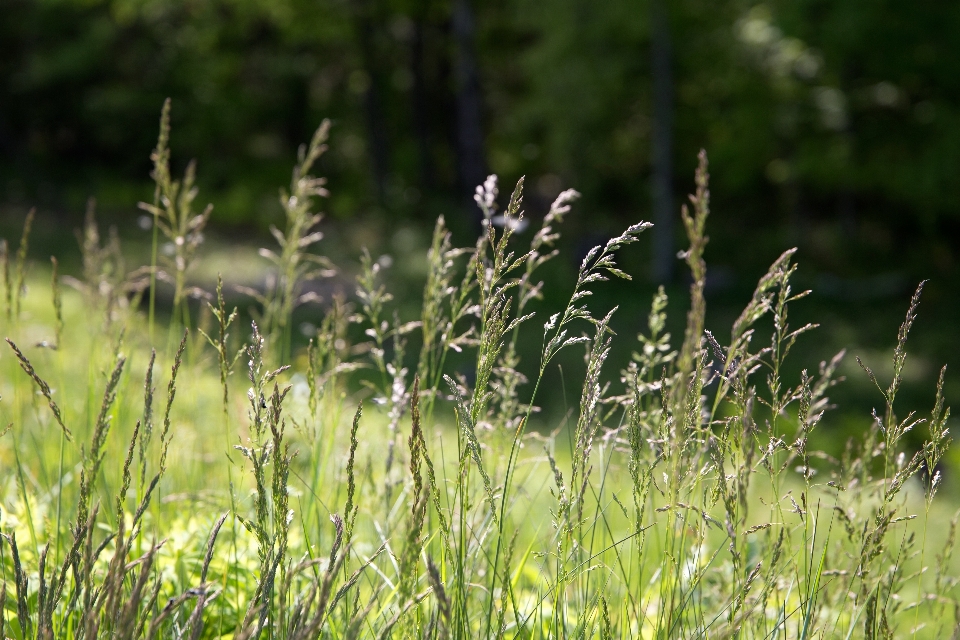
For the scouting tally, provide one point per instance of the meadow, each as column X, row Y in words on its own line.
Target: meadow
column 176, row 473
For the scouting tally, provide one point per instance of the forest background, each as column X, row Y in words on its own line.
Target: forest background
column 831, row 125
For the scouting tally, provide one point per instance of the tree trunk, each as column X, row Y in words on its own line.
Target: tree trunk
column 661, row 159
column 472, row 166
column 421, row 119
column 376, row 126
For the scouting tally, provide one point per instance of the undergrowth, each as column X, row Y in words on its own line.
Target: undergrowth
column 150, row 490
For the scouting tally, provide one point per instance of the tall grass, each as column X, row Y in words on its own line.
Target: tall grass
column 685, row 498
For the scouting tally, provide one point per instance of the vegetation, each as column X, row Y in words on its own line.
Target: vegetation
column 684, row 497
column 811, row 121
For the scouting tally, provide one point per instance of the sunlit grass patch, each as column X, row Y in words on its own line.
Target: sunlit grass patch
column 186, row 481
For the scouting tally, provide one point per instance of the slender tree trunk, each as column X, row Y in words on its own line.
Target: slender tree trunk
column 472, row 166
column 372, row 101
column 421, row 119
column 661, row 159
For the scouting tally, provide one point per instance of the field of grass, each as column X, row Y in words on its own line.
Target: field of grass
column 197, row 478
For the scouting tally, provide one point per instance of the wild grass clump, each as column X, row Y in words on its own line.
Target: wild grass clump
column 686, row 497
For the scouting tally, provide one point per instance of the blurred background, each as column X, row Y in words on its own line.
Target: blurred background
column 831, row 125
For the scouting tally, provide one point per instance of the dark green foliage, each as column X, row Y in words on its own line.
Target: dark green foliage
column 814, row 111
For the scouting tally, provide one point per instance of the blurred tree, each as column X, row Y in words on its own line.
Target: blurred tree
column 470, row 146
column 880, row 121
column 369, row 81
column 661, row 157
column 814, row 112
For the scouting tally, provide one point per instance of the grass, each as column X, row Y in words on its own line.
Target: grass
column 378, row 488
